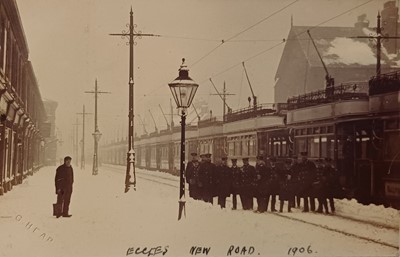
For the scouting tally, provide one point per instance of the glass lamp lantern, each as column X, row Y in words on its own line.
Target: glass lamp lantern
column 183, row 88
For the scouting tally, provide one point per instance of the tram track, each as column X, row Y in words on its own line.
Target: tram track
column 146, row 176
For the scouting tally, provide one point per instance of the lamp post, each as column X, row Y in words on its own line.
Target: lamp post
column 183, row 89
column 96, row 136
column 131, row 35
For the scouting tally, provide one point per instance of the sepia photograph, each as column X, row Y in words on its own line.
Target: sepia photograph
column 199, row 128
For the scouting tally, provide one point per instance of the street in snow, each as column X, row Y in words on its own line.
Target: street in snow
column 199, row 128
column 107, row 222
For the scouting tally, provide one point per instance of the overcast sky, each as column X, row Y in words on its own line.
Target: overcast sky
column 70, row 47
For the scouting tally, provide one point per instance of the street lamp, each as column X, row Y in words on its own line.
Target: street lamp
column 183, row 89
column 96, row 136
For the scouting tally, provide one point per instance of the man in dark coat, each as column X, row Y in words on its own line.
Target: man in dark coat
column 223, row 181
column 206, row 177
column 261, row 184
column 320, row 186
column 295, row 181
column 190, row 163
column 331, row 174
column 236, row 182
column 273, row 183
column 286, row 192
column 200, row 185
column 307, row 170
column 287, row 187
column 247, row 188
column 63, row 182
column 192, row 178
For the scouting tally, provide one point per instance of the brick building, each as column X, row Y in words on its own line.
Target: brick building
column 22, row 113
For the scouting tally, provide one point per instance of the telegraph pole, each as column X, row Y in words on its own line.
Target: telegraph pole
column 76, row 140
column 378, row 37
column 223, row 98
column 83, row 113
column 131, row 35
column 96, row 134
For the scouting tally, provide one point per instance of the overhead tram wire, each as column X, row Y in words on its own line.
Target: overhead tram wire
column 334, row 17
column 268, row 49
column 225, row 41
column 235, row 41
column 245, row 60
column 261, row 21
column 241, row 32
column 284, row 40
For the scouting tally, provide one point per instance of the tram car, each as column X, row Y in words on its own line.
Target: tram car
column 257, row 130
column 356, row 124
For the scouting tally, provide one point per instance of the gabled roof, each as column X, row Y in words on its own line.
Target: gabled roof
column 337, row 47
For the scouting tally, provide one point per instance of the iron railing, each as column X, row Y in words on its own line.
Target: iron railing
column 255, row 111
column 385, row 83
column 345, row 91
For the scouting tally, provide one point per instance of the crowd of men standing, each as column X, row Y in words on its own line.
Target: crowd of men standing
column 290, row 180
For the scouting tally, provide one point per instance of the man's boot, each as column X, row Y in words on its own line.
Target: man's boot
column 281, row 206
column 57, row 210
column 273, row 201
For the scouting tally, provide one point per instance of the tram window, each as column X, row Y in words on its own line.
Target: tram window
column 231, row 148
column 2, row 28
column 323, row 130
column 324, row 147
column 245, row 148
column 238, row 148
column 313, row 146
column 284, row 149
column 252, row 147
column 362, row 146
column 301, row 145
column 316, row 130
column 276, row 149
column 330, row 129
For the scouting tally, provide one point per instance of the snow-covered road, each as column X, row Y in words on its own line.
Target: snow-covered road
column 107, row 222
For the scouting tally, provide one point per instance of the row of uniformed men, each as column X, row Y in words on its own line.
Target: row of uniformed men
column 267, row 180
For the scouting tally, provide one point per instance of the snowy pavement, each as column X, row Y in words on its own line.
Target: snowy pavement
column 107, row 222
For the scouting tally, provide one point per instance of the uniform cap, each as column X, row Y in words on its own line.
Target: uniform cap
column 224, row 158
column 260, row 157
column 193, row 154
column 208, row 155
column 245, row 158
column 234, row 160
column 67, row 158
